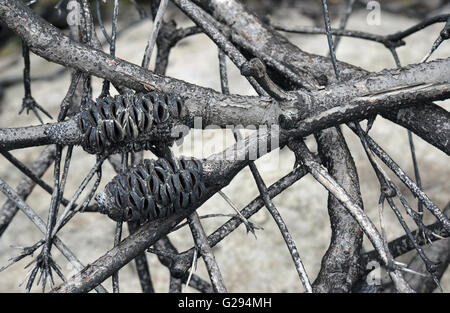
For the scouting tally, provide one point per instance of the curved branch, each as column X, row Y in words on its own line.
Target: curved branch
column 340, row 265
column 336, row 32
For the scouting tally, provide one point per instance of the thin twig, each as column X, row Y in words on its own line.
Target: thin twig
column 392, row 40
column 379, row 152
column 344, row 21
column 263, row 192
column 330, row 38
column 13, row 196
column 44, row 259
column 411, row 144
column 182, row 263
column 402, row 245
column 117, row 237
column 225, row 90
column 201, row 242
column 26, row 185
column 154, row 35
column 283, row 229
column 28, row 101
column 194, row 265
column 200, row 17
column 366, row 224
column 142, row 266
column 77, row 193
column 100, row 21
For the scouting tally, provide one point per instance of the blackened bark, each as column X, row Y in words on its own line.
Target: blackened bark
column 340, row 268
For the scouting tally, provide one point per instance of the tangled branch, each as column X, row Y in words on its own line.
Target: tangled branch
column 303, row 94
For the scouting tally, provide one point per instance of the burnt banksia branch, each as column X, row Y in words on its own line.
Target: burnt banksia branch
column 123, row 123
column 153, row 189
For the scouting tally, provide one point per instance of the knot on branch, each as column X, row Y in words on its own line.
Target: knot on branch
column 153, row 189
column 388, row 191
column 286, row 122
column 168, row 35
column 392, row 44
column 257, row 69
